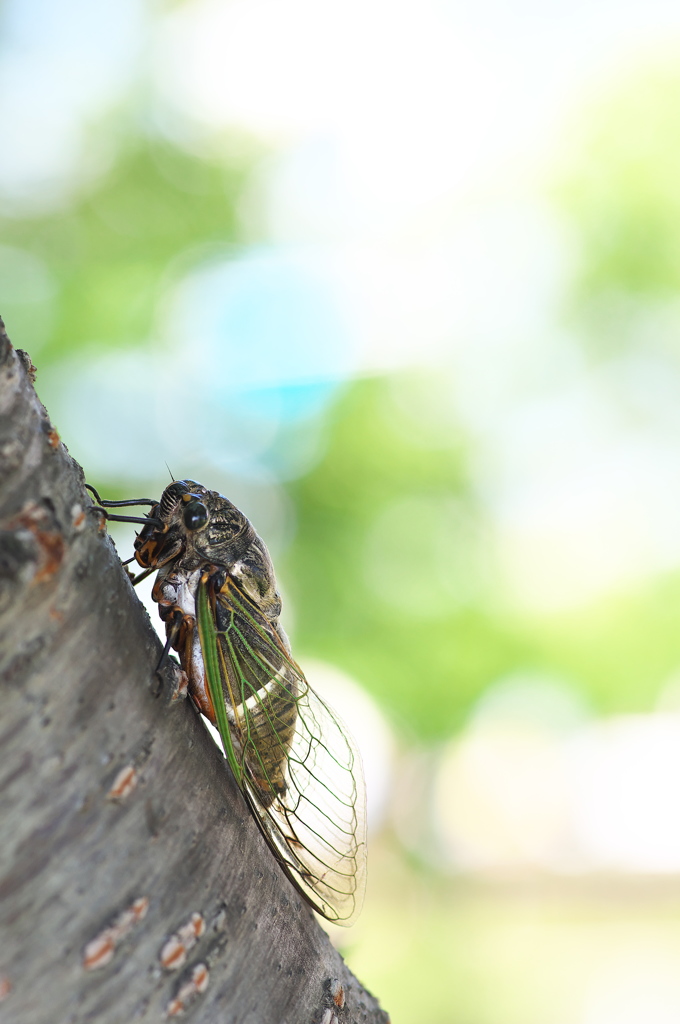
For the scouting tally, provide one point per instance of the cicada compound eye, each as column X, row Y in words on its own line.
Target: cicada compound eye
column 195, row 515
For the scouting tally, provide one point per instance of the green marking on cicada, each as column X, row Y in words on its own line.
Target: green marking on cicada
column 208, row 638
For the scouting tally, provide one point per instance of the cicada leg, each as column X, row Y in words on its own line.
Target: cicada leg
column 182, row 636
column 104, row 505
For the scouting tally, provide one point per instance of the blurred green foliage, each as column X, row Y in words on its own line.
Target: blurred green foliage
column 109, row 250
column 442, row 952
column 427, row 670
column 619, row 188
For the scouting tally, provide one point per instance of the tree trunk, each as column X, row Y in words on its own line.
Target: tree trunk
column 134, row 884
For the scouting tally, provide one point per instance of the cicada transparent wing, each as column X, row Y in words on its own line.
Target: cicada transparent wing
column 294, row 761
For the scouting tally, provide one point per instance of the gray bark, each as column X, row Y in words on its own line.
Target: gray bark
column 134, row 884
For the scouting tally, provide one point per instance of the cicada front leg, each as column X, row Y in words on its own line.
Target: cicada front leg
column 103, row 506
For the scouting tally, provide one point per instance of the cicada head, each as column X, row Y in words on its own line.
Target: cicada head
column 154, row 546
column 197, row 522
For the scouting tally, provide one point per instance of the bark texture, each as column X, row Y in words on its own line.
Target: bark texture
column 134, row 885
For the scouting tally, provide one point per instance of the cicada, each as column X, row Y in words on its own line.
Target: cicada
column 293, row 759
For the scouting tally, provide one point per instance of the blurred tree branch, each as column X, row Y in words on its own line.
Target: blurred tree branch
column 133, row 882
